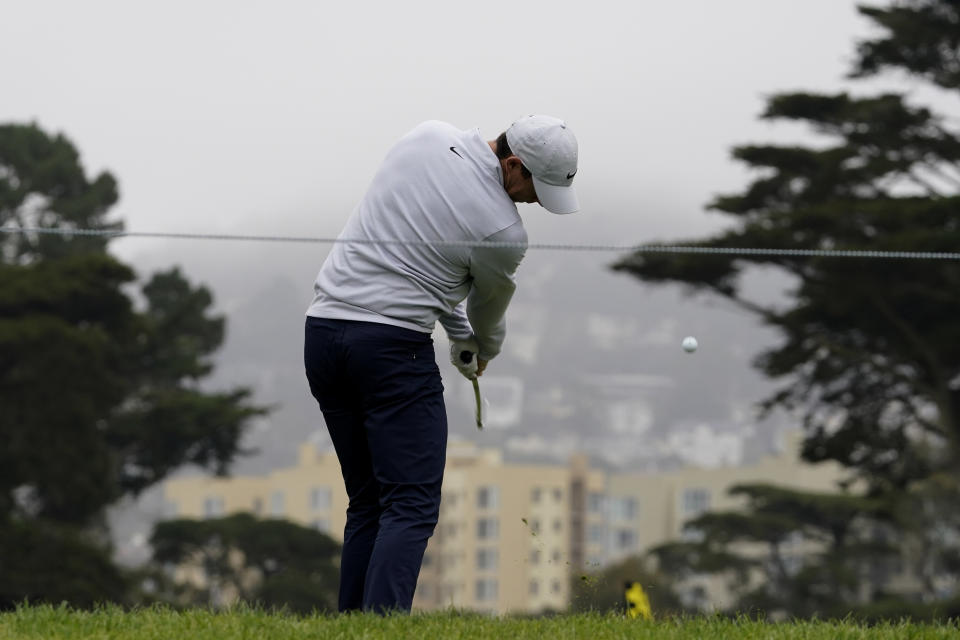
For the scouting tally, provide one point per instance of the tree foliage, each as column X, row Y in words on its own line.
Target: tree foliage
column 100, row 399
column 787, row 552
column 274, row 563
column 43, row 186
column 604, row 590
column 921, row 38
column 45, row 562
column 100, row 379
column 870, row 348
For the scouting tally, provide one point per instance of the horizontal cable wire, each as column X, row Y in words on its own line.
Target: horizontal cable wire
column 598, row 248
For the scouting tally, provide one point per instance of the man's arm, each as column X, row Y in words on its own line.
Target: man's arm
column 493, row 269
column 456, row 324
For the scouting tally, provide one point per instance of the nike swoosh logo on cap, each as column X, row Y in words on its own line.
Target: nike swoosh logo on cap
column 454, row 149
column 570, row 175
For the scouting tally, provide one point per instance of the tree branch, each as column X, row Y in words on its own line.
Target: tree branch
column 931, row 190
column 941, row 395
column 936, row 170
column 754, row 308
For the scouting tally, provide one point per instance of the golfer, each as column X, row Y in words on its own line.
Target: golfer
column 440, row 197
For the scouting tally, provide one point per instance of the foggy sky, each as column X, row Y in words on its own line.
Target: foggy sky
column 271, row 117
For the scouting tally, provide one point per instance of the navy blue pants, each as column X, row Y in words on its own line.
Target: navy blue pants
column 382, row 398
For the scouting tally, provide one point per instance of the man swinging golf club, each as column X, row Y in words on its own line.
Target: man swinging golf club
column 368, row 352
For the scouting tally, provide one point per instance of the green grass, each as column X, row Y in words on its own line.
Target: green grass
column 55, row 623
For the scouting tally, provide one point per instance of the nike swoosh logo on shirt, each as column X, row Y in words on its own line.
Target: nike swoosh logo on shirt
column 454, row 149
column 570, row 175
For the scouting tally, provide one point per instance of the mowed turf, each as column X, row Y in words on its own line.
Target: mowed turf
column 53, row 623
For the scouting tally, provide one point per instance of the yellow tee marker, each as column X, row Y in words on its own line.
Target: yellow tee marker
column 638, row 605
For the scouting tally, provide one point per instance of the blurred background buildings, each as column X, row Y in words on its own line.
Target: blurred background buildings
column 513, row 537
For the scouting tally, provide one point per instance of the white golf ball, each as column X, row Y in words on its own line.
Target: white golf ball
column 689, row 344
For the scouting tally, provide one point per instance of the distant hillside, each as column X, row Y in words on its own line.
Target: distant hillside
column 592, row 362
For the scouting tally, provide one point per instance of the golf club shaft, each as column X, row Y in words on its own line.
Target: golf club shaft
column 476, row 393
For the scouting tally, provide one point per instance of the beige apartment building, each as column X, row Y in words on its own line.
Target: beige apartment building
column 647, row 509
column 510, row 535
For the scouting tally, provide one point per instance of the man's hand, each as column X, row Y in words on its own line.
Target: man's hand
column 463, row 355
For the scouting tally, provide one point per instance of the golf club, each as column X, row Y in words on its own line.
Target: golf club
column 466, row 357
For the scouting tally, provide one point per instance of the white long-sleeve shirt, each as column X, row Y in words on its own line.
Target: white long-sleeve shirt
column 436, row 184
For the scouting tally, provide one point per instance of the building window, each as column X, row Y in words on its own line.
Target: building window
column 556, row 555
column 446, row 592
column 695, row 502
column 595, row 503
column 320, row 498
column 595, row 534
column 558, row 525
column 276, row 503
column 555, row 586
column 535, row 526
column 449, row 560
column 488, row 497
column 487, row 559
column 535, row 494
column 625, row 539
column 486, row 590
column 427, row 560
column 488, row 528
column 535, row 556
column 258, row 506
column 691, row 534
column 623, row 508
column 212, row 507
column 557, row 494
column 321, row 524
column 534, row 587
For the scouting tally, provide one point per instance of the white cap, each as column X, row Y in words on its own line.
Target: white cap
column 548, row 149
